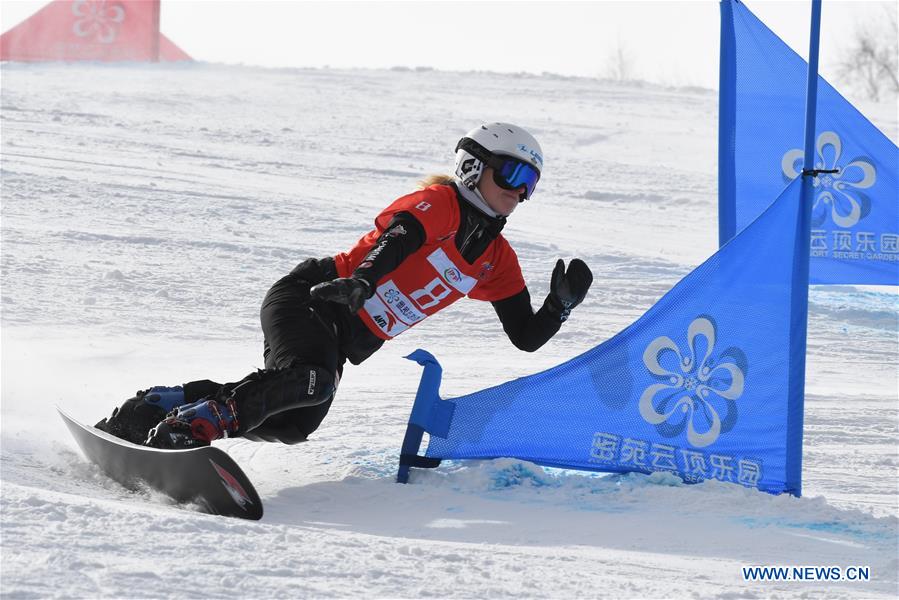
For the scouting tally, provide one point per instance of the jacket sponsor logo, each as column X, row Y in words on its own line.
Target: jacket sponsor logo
column 396, row 231
column 383, row 315
column 398, row 305
column 486, row 270
column 452, row 274
column 386, row 321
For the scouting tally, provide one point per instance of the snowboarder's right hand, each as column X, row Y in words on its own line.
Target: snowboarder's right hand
column 351, row 291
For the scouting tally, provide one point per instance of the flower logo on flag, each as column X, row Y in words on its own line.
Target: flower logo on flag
column 99, row 18
column 837, row 194
column 695, row 388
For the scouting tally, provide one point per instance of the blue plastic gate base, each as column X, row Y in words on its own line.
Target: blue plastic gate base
column 429, row 414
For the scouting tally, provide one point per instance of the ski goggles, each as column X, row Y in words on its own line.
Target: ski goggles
column 509, row 172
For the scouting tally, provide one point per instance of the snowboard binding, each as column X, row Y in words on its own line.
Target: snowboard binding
column 194, row 425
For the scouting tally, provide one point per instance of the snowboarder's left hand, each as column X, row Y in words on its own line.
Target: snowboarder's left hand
column 351, row 291
column 568, row 288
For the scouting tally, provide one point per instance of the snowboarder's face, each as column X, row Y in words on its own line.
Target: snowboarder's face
column 502, row 201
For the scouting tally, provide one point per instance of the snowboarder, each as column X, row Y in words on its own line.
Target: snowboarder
column 428, row 249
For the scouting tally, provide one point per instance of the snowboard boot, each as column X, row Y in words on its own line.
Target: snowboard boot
column 138, row 415
column 252, row 400
column 194, row 425
column 133, row 420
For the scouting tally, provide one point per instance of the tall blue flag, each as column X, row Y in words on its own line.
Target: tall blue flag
column 855, row 211
column 707, row 384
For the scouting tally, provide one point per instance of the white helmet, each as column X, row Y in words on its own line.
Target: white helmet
column 512, row 152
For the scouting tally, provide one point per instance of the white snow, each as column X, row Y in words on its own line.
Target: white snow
column 145, row 212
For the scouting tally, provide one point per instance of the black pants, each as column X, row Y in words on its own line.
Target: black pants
column 299, row 331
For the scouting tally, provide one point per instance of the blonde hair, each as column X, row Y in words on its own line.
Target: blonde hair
column 438, row 179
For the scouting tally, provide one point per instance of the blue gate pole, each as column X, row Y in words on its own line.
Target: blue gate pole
column 811, row 97
column 799, row 321
column 727, row 123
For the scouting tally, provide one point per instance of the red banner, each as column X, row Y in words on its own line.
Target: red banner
column 101, row 30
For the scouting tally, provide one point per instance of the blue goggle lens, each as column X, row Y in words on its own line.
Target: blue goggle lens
column 511, row 174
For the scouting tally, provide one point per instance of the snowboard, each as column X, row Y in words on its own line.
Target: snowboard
column 206, row 476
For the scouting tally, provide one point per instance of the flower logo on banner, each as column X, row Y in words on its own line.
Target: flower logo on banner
column 695, row 388
column 837, row 194
column 97, row 17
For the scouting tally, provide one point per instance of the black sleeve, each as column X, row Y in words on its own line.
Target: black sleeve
column 526, row 329
column 403, row 236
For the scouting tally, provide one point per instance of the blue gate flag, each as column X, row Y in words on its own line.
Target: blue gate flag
column 855, row 211
column 707, row 384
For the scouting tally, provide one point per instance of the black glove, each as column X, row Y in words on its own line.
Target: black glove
column 567, row 289
column 351, row 291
